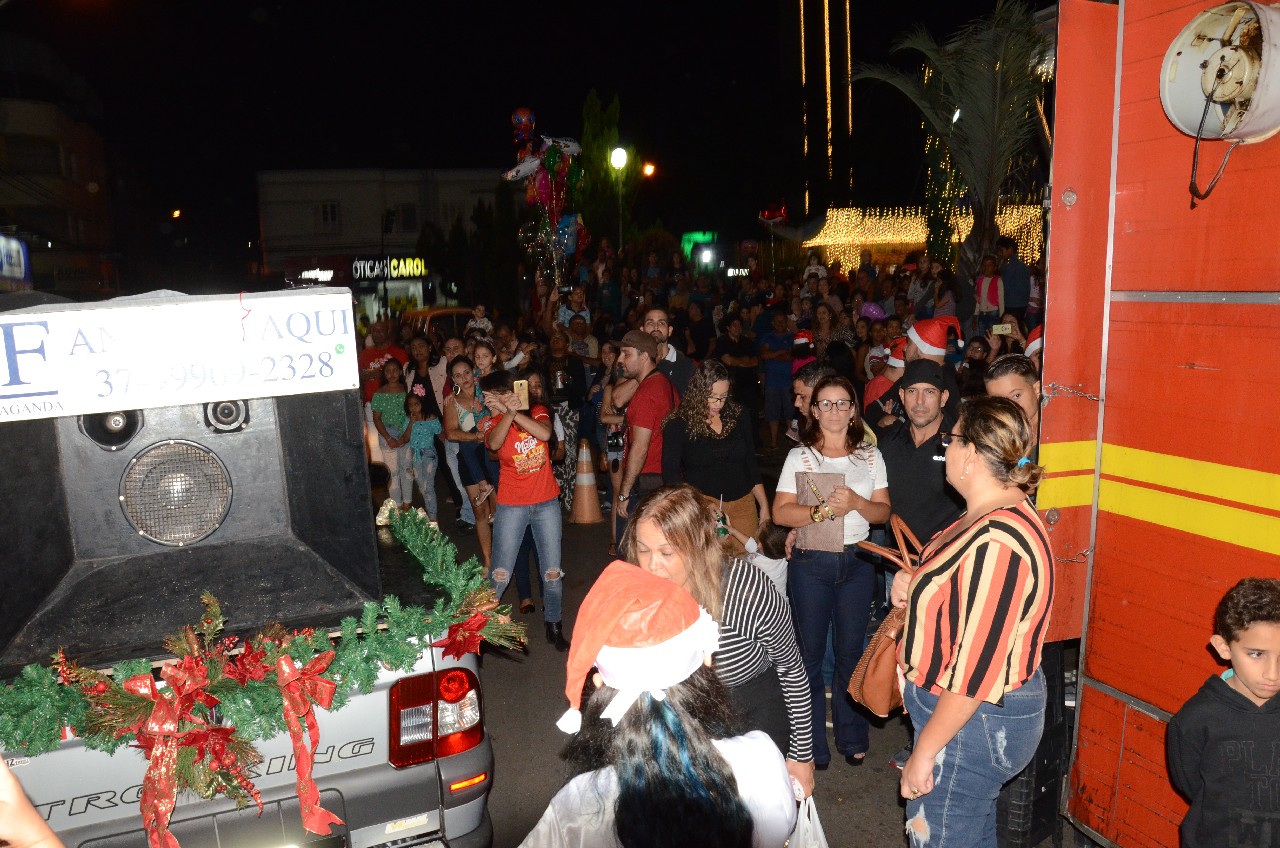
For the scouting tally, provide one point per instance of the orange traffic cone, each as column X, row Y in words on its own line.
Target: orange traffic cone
column 586, row 499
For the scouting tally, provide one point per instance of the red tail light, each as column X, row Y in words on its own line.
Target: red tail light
column 434, row 715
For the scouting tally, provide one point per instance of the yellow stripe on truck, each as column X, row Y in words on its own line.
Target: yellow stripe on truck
column 1062, row 492
column 1225, row 482
column 1061, row 457
column 1200, row 518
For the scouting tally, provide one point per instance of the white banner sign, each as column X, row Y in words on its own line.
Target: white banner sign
column 168, row 349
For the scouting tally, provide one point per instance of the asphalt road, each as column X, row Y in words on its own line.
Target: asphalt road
column 524, row 695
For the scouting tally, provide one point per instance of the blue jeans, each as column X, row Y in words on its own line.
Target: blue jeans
column 451, row 460
column 831, row 592
column 524, row 588
column 989, row 751
column 424, row 471
column 509, row 525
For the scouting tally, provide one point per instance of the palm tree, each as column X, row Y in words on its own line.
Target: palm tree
column 978, row 92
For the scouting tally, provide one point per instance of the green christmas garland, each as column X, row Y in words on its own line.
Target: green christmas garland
column 44, row 701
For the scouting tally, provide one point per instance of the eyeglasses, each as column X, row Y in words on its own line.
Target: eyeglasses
column 945, row 438
column 718, row 398
column 828, row 405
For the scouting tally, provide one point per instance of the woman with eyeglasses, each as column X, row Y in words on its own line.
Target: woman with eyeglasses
column 977, row 613
column 707, row 442
column 832, row 590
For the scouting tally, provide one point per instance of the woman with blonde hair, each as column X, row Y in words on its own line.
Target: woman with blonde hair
column 673, row 535
column 707, row 442
column 977, row 614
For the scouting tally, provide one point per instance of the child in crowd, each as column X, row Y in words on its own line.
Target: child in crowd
column 1224, row 742
column 769, row 554
column 424, row 427
column 391, row 422
column 479, row 322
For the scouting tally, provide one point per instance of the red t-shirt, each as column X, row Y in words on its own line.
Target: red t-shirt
column 524, row 463
column 655, row 398
column 369, row 356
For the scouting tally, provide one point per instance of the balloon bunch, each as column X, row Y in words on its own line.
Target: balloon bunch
column 552, row 174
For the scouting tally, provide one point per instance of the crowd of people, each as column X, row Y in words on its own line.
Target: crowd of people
column 684, row 386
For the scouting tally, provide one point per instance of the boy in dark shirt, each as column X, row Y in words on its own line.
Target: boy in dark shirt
column 1224, row 744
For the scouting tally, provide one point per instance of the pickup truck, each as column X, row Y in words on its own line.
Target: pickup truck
column 162, row 446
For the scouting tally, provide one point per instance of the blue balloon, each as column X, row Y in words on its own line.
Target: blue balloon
column 567, row 234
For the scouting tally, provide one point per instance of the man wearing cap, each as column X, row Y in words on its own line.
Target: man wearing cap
column 673, row 364
column 653, row 400
column 913, row 456
column 637, row 670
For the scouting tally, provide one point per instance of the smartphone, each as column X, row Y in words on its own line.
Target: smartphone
column 1002, row 330
column 522, row 392
column 565, row 291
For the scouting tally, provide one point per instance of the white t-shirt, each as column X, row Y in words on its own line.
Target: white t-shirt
column 581, row 814
column 863, row 472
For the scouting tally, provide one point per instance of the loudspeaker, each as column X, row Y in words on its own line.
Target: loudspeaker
column 111, row 526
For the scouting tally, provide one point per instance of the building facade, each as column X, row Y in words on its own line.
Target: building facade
column 360, row 227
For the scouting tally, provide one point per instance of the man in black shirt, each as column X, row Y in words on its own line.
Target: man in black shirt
column 913, row 457
column 673, row 364
column 738, row 353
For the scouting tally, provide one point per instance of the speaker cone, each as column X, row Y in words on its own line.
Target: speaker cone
column 175, row 493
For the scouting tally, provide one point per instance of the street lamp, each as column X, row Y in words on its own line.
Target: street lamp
column 618, row 159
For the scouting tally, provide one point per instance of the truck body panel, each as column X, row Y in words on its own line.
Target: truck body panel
column 1162, row 323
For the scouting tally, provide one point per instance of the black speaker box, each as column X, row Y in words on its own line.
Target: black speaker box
column 111, row 526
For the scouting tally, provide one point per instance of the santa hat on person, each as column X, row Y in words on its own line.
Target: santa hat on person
column 898, row 353
column 804, row 337
column 1035, row 341
column 642, row 633
column 930, row 334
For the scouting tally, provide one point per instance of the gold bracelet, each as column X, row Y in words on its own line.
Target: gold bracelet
column 816, row 515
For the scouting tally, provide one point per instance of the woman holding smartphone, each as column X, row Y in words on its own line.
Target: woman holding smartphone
column 528, row 496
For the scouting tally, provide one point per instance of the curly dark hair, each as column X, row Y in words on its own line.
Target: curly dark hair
column 692, row 409
column 675, row 789
column 1254, row 600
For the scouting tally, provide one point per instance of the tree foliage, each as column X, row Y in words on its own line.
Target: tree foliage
column 978, row 93
column 599, row 204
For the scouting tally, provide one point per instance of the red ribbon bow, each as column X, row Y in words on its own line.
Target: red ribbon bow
column 158, row 739
column 300, row 687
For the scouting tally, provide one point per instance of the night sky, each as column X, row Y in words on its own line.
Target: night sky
column 198, row 96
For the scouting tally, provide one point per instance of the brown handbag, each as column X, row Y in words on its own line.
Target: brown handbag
column 875, row 681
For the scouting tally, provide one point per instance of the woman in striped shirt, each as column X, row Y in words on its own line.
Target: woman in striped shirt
column 673, row 535
column 977, row 612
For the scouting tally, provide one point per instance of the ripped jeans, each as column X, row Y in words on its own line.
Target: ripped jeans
column 509, row 524
column 993, row 746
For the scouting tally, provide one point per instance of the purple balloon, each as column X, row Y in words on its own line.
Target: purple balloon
column 872, row 312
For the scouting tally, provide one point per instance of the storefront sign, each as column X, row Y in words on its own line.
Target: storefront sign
column 366, row 269
column 172, row 350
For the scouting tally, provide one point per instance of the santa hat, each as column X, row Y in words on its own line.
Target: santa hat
column 898, row 352
column 930, row 334
column 642, row 633
column 803, row 337
column 1035, row 341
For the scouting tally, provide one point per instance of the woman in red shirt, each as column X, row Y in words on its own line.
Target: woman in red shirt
column 528, row 496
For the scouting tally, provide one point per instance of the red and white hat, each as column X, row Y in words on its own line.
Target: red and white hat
column 642, row 633
column 898, row 352
column 1035, row 341
column 803, row 337
column 930, row 334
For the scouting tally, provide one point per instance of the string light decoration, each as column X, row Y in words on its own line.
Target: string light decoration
column 891, row 233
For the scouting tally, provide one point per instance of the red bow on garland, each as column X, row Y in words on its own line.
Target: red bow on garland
column 159, row 737
column 300, row 687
